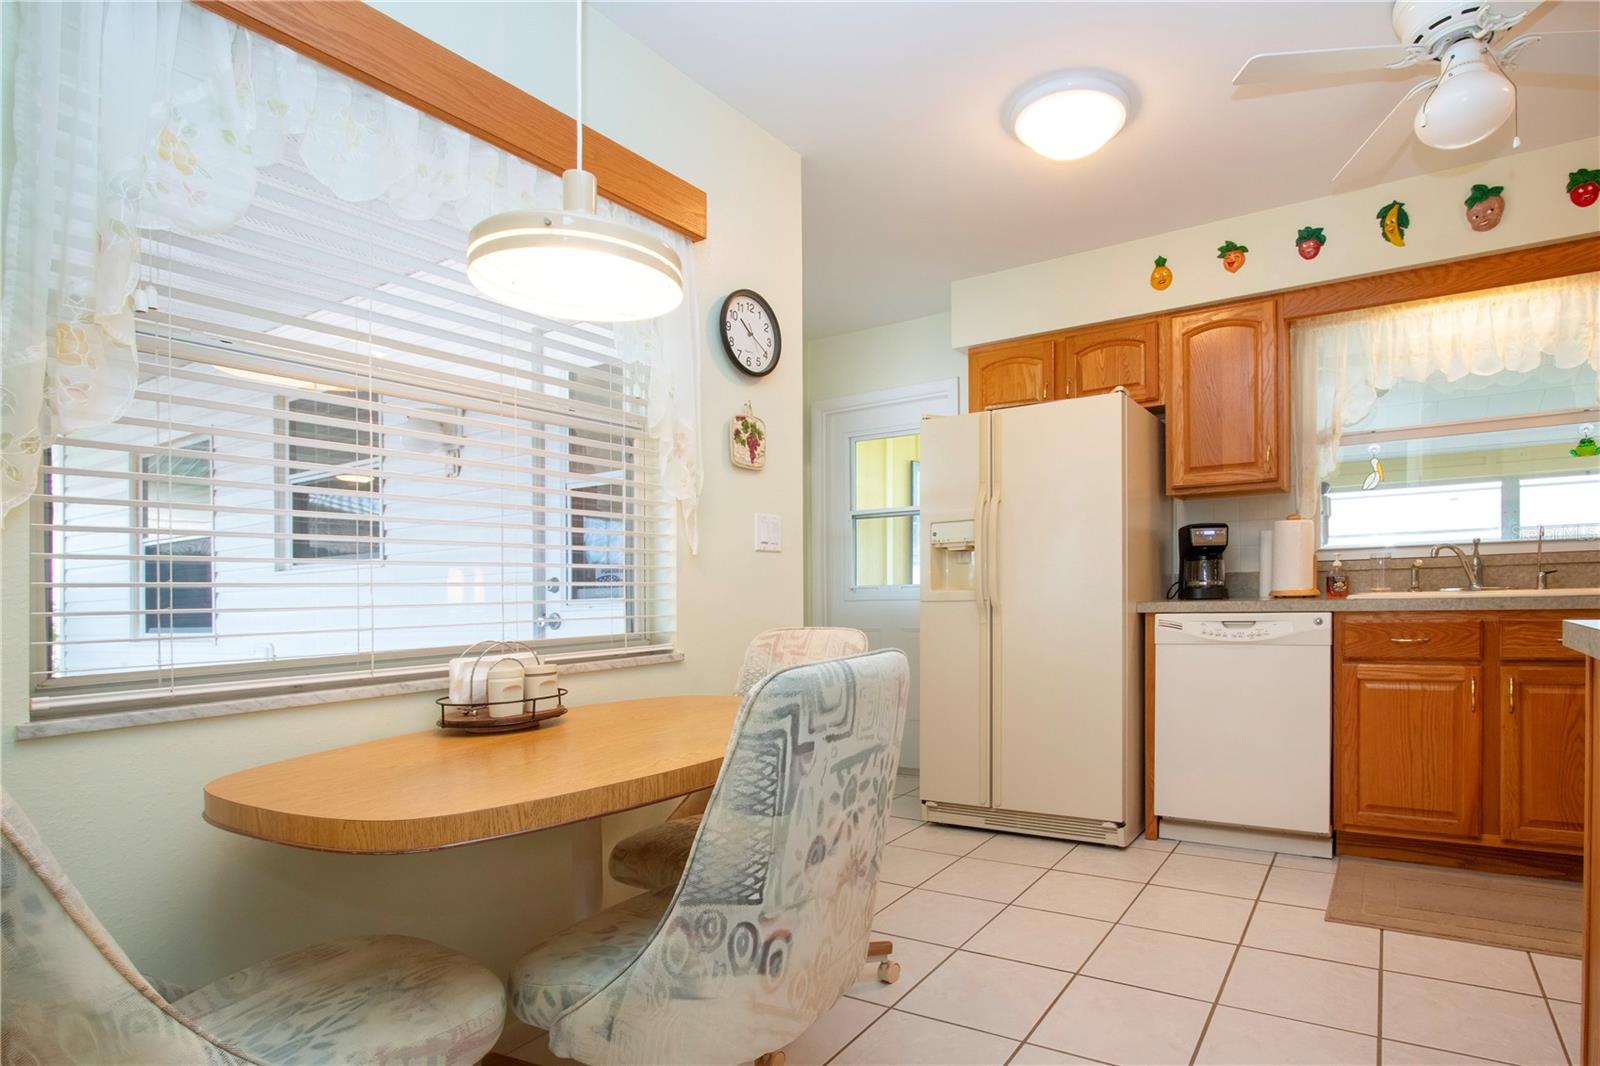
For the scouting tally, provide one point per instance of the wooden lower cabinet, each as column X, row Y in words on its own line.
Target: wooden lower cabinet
column 1459, row 737
column 1541, row 754
column 1410, row 741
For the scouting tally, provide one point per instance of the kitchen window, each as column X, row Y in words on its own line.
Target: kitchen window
column 277, row 440
column 349, row 465
column 1450, row 420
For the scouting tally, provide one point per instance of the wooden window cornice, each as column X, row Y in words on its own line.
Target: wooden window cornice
column 369, row 46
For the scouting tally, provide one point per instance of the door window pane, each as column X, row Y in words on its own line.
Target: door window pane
column 886, row 551
column 885, row 472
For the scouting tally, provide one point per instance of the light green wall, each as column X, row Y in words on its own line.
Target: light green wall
column 912, row 352
column 122, row 809
column 885, row 357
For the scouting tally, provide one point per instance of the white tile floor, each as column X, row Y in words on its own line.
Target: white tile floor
column 1034, row 952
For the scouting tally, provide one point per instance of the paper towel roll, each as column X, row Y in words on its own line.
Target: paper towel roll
column 1266, row 563
column 1294, row 556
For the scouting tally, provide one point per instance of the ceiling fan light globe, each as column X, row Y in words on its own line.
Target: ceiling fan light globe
column 1067, row 116
column 1472, row 100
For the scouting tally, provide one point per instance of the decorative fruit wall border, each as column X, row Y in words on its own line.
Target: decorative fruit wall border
column 1485, row 206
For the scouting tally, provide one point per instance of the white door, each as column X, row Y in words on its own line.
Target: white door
column 866, row 519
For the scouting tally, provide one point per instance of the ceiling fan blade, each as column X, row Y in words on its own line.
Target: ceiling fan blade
column 1285, row 66
column 1411, row 95
column 1555, row 52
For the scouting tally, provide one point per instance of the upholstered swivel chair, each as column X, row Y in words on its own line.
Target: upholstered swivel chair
column 770, row 923
column 653, row 858
column 72, row 996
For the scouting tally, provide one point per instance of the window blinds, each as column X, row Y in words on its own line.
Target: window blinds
column 342, row 461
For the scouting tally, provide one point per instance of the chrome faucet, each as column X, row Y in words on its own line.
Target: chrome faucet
column 1542, row 581
column 1473, row 570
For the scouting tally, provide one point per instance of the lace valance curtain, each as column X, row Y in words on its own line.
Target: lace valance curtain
column 134, row 117
column 1351, row 359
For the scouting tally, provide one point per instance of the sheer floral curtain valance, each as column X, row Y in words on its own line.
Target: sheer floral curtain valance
column 132, row 118
column 1348, row 361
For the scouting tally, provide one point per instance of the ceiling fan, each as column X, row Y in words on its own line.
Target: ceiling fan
column 1468, row 98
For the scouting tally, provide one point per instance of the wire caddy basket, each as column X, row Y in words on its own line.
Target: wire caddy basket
column 478, row 716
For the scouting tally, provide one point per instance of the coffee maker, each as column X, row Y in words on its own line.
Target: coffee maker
column 1202, row 575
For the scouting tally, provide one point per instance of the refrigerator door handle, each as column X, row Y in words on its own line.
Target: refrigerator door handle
column 991, row 562
column 981, row 547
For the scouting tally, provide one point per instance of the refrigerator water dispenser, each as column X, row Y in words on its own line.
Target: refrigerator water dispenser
column 954, row 561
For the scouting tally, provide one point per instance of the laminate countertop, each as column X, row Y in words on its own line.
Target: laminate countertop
column 1577, row 601
column 1582, row 636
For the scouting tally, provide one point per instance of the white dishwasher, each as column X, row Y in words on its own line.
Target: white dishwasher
column 1243, row 729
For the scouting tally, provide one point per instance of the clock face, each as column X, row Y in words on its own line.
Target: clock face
column 750, row 333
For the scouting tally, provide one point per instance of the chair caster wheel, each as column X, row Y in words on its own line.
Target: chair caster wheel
column 888, row 972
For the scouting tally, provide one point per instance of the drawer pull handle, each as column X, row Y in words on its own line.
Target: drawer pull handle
column 1409, row 640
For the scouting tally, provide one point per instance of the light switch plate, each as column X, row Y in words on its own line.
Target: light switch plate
column 769, row 532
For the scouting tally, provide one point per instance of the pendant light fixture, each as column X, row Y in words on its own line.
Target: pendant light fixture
column 571, row 264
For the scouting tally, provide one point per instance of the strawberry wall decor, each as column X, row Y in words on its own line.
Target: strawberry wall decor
column 1393, row 222
column 747, row 441
column 1309, row 241
column 1232, row 256
column 1485, row 207
column 1583, row 187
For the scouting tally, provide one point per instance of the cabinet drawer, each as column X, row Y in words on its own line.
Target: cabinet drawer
column 1450, row 640
column 1537, row 640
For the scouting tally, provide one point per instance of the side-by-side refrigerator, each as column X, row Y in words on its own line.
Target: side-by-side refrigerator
column 1042, row 527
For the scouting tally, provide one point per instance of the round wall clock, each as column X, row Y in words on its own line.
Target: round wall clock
column 750, row 333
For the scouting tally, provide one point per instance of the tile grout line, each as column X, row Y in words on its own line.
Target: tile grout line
column 1110, row 928
column 1379, row 1058
column 1561, row 1038
column 1234, row 958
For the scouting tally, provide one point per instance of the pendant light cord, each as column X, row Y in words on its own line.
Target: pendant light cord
column 579, row 21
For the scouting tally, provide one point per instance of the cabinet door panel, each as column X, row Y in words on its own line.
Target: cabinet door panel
column 1094, row 361
column 1542, row 760
column 1226, row 401
column 1001, row 375
column 1409, row 738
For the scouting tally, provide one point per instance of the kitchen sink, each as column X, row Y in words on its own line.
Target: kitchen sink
column 1488, row 593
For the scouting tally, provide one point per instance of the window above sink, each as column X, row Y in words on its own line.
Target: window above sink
column 1450, row 420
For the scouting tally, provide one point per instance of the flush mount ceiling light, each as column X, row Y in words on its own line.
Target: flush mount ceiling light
column 571, row 264
column 1067, row 116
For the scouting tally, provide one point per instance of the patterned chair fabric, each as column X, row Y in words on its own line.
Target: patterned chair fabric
column 778, row 648
column 72, row 996
column 653, row 858
column 770, row 923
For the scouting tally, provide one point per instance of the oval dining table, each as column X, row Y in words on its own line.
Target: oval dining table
column 436, row 789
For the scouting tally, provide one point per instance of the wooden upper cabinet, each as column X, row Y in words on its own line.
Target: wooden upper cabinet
column 1541, row 754
column 1409, row 738
column 1094, row 361
column 1001, row 375
column 1227, row 401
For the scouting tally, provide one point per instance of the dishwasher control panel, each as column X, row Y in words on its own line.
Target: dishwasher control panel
column 1275, row 628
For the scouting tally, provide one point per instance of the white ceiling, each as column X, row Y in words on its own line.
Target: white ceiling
column 910, row 181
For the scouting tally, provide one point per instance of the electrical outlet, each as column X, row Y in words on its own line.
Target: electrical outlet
column 769, row 532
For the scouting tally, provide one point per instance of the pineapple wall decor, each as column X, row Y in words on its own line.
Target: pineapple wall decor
column 747, row 441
